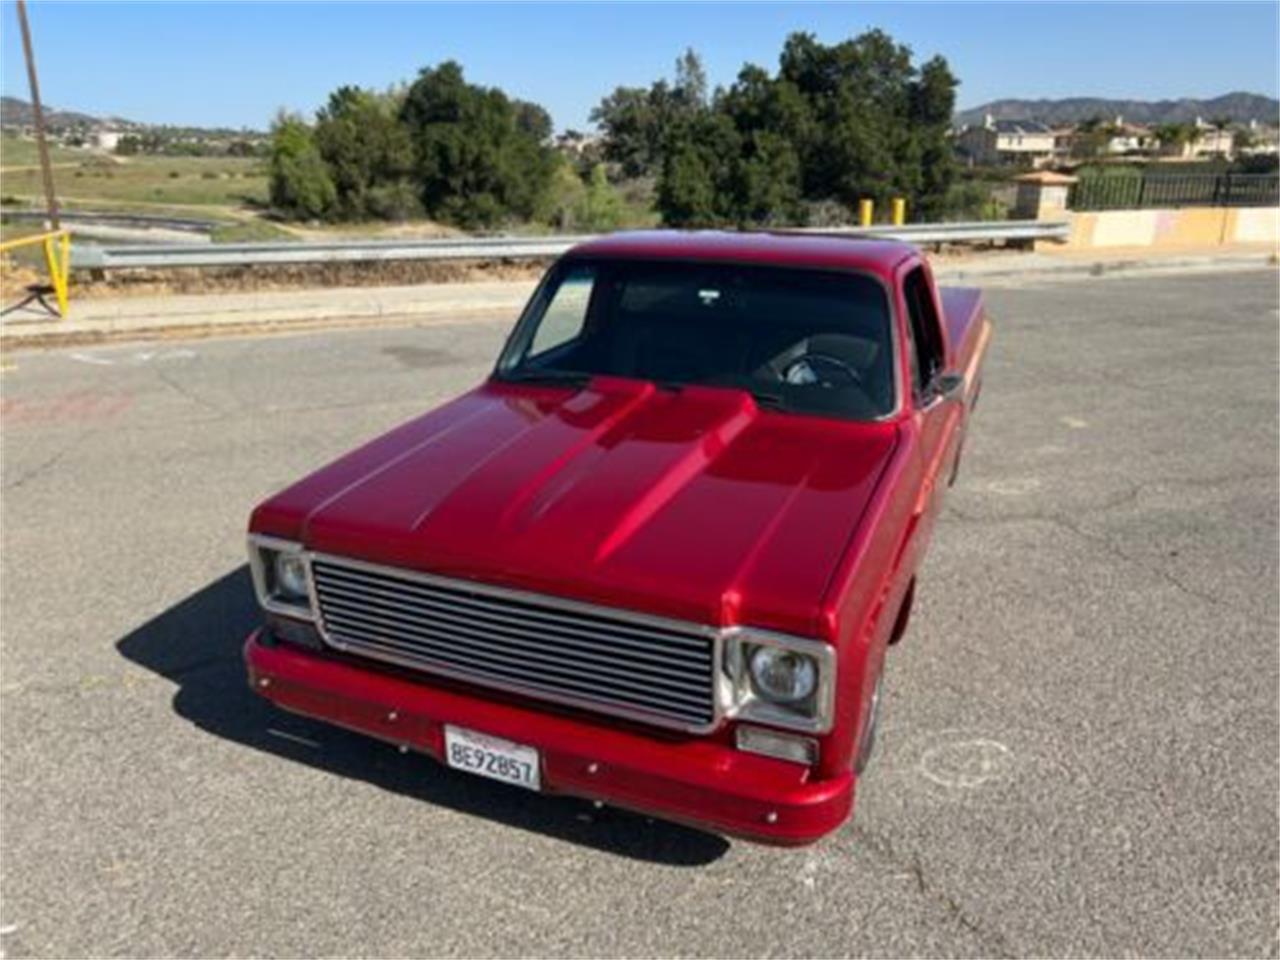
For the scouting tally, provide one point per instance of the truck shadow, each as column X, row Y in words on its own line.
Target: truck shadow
column 196, row 645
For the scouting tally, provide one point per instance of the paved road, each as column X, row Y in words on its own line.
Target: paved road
column 1080, row 745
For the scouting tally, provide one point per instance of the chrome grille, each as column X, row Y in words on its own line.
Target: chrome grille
column 646, row 668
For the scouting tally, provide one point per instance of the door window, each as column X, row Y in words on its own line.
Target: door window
column 925, row 332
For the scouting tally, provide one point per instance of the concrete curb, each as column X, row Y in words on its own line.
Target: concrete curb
column 48, row 339
column 242, row 315
column 1079, row 267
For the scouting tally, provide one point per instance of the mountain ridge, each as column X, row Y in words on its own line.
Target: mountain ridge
column 16, row 112
column 1238, row 106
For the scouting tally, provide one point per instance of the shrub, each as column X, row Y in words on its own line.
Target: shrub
column 300, row 185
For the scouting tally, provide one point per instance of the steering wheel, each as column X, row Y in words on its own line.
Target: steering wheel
column 807, row 369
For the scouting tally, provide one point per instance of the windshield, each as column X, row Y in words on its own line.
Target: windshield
column 803, row 341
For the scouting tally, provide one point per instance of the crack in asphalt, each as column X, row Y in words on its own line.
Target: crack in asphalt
column 993, row 941
column 187, row 393
column 50, row 463
column 957, row 514
column 1112, row 548
column 1094, row 538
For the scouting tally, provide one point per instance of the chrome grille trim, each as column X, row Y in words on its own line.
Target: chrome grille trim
column 610, row 660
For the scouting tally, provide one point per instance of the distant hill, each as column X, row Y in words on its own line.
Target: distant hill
column 1239, row 107
column 18, row 113
column 15, row 112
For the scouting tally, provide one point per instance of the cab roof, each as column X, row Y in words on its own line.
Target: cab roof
column 830, row 251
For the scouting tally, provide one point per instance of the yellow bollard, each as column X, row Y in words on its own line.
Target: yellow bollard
column 57, row 260
column 865, row 209
column 899, row 211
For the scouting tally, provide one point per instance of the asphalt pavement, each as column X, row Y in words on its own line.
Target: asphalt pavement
column 1080, row 738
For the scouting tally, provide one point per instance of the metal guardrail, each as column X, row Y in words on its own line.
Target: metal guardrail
column 491, row 248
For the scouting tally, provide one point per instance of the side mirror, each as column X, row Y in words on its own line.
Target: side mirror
column 950, row 386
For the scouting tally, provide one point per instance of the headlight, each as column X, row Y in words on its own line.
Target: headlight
column 778, row 679
column 783, row 676
column 281, row 576
column 291, row 575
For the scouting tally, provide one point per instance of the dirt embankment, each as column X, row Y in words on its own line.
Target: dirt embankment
column 15, row 279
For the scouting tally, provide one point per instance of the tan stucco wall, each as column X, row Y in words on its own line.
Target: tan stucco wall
column 1192, row 227
column 1256, row 225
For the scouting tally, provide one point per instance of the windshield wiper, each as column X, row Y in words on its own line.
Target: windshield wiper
column 773, row 401
column 556, row 378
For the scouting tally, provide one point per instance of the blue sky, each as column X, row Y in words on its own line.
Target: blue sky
column 234, row 64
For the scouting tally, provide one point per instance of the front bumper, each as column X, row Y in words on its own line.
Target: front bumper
column 696, row 781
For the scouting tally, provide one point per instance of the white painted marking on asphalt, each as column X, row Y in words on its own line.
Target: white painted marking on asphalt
column 1075, row 423
column 1013, row 486
column 7, row 929
column 136, row 358
column 90, row 358
column 966, row 764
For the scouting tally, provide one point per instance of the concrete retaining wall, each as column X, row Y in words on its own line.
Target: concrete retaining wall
column 1172, row 229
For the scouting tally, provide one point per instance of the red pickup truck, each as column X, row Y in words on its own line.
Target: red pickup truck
column 656, row 558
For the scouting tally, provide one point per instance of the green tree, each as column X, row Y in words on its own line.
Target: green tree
column 479, row 158
column 533, row 120
column 300, row 186
column 836, row 123
column 860, row 92
column 634, row 123
column 766, row 181
column 690, row 90
column 696, row 184
column 368, row 154
column 933, row 100
column 1176, row 135
column 637, row 122
column 129, row 145
column 601, row 207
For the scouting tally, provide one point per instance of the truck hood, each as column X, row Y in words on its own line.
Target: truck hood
column 693, row 504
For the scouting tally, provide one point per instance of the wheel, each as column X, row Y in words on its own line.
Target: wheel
column 867, row 744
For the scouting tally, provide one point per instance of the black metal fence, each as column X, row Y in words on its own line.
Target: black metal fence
column 1177, row 190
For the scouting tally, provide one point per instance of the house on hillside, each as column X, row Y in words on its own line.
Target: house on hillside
column 1021, row 143
column 1129, row 139
column 577, row 143
column 1259, row 140
column 1208, row 141
column 106, row 139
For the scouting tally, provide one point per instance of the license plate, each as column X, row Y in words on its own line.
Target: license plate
column 492, row 757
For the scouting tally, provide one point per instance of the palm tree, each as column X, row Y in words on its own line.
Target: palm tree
column 1177, row 135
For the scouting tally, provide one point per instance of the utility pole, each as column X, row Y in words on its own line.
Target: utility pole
column 41, row 144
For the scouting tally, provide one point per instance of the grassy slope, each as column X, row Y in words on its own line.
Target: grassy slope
column 145, row 182
column 16, row 152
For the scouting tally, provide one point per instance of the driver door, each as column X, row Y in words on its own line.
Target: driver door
column 935, row 415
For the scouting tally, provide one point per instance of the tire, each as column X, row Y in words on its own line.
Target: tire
column 904, row 614
column 867, row 743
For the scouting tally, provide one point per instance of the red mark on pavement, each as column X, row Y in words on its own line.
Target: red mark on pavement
column 73, row 407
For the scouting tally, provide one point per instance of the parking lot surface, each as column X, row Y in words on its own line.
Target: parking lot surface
column 1080, row 735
